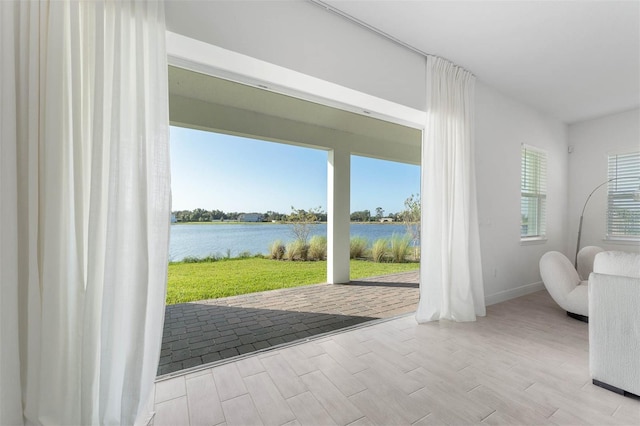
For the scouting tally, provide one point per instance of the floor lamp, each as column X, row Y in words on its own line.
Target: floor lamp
column 636, row 197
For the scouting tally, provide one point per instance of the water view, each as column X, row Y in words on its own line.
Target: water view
column 201, row 240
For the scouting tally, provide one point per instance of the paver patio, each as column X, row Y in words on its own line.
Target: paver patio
column 205, row 331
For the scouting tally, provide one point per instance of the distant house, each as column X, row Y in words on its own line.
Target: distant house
column 386, row 219
column 250, row 217
column 173, row 218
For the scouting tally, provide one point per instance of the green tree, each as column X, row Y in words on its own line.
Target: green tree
column 217, row 214
column 361, row 216
column 379, row 213
column 303, row 221
column 232, row 215
column 271, row 215
column 411, row 218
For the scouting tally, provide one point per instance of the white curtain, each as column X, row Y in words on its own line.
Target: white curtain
column 84, row 209
column 450, row 270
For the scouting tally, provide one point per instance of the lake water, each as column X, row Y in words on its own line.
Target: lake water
column 217, row 239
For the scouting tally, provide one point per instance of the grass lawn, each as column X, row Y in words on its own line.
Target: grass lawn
column 230, row 277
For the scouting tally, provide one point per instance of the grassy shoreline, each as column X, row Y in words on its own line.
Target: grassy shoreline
column 189, row 282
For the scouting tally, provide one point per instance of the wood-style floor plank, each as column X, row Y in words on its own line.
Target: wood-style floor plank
column 526, row 362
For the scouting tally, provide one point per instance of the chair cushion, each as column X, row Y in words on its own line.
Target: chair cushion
column 577, row 302
column 561, row 279
column 586, row 256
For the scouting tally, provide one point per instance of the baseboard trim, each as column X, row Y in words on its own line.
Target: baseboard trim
column 512, row 293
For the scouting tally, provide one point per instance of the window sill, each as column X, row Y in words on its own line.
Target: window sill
column 620, row 240
column 533, row 240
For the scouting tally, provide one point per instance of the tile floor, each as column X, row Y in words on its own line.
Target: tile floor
column 525, row 363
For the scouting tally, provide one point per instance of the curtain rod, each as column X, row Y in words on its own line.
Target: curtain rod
column 375, row 30
column 357, row 21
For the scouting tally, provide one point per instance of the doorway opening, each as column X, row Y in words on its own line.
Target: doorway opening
column 205, row 331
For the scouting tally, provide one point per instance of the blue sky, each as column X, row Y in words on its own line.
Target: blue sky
column 234, row 174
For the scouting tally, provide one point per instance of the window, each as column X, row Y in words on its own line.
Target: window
column 533, row 193
column 623, row 201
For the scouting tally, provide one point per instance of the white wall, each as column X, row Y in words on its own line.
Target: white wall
column 305, row 38
column 502, row 125
column 592, row 141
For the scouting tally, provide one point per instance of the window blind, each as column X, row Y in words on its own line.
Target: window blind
column 623, row 207
column 533, row 189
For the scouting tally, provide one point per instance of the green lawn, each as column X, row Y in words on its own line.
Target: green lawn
column 210, row 280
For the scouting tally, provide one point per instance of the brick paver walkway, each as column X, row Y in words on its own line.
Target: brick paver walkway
column 205, row 331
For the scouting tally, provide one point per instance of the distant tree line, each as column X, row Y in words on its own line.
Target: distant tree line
column 202, row 215
column 366, row 216
column 411, row 214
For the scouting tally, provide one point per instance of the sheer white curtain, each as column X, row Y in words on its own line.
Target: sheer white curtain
column 84, row 209
column 450, row 271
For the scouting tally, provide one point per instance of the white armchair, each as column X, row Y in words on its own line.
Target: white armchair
column 586, row 257
column 568, row 287
column 614, row 322
column 564, row 285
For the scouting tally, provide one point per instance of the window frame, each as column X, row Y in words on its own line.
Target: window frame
column 621, row 186
column 537, row 191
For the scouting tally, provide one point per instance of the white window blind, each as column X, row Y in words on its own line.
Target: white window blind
column 533, row 193
column 623, row 205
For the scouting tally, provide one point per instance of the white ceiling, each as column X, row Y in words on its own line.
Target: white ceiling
column 575, row 60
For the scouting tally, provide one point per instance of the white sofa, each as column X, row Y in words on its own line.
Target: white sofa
column 614, row 322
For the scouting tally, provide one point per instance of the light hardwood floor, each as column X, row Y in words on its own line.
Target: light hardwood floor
column 526, row 362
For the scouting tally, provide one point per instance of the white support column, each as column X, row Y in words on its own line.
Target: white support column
column 338, row 215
